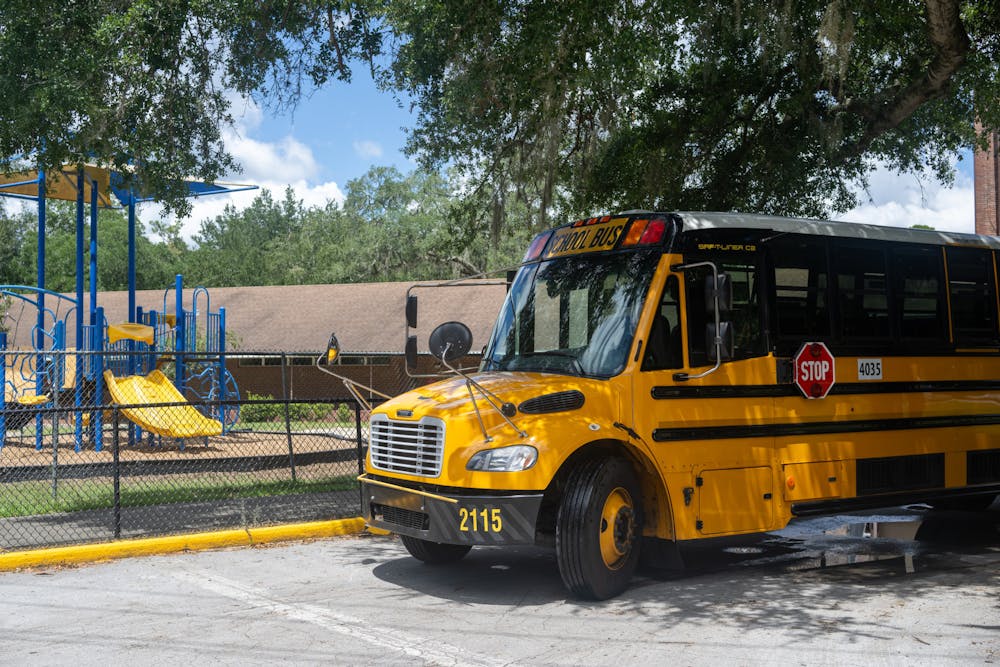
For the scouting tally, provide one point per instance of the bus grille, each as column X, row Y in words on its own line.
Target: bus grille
column 411, row 448
column 402, row 517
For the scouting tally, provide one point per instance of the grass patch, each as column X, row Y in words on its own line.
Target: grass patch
column 35, row 497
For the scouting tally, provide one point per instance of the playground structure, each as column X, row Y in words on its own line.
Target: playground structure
column 39, row 370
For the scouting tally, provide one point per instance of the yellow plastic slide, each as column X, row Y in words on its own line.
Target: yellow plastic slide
column 175, row 421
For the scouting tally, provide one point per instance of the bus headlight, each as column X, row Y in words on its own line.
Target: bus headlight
column 504, row 459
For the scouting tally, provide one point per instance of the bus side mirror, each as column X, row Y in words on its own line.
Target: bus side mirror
column 411, row 311
column 411, row 354
column 728, row 341
column 332, row 351
column 725, row 290
column 450, row 341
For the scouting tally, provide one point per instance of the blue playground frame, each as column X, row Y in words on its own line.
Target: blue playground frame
column 49, row 355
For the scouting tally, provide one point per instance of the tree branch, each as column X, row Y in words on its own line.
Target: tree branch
column 951, row 44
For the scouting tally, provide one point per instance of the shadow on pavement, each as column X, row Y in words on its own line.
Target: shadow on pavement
column 795, row 576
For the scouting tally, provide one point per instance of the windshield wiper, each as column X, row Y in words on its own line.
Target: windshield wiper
column 577, row 368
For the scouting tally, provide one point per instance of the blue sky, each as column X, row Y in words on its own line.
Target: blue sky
column 348, row 128
column 341, row 131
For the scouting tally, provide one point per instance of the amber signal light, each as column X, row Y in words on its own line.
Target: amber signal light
column 645, row 232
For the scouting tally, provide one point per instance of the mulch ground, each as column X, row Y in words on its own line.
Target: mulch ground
column 19, row 450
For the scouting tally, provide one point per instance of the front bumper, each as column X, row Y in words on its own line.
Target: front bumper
column 450, row 518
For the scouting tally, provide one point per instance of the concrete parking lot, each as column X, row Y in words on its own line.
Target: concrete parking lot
column 822, row 592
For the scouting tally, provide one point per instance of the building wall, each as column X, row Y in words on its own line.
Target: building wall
column 987, row 183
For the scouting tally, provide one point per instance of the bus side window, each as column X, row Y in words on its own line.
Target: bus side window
column 801, row 290
column 919, row 304
column 663, row 347
column 862, row 292
column 972, row 289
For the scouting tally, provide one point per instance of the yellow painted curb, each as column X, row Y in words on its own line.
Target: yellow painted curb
column 85, row 553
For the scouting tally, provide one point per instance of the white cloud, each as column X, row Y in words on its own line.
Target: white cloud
column 904, row 200
column 367, row 149
column 262, row 161
column 272, row 166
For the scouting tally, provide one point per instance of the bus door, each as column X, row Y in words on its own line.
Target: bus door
column 705, row 431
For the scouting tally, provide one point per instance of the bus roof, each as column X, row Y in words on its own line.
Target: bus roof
column 692, row 220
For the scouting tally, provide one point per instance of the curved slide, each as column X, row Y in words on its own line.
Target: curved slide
column 174, row 421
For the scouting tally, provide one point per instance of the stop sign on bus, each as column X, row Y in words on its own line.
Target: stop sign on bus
column 814, row 370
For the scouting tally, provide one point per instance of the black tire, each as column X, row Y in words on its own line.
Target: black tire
column 599, row 529
column 434, row 553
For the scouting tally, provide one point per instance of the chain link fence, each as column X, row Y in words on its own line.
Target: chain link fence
column 91, row 456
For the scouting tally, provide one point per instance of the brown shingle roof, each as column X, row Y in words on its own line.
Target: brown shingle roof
column 367, row 317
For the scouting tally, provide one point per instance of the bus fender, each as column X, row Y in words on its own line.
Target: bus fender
column 657, row 511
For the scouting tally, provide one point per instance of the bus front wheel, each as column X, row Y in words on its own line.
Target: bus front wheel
column 598, row 528
column 434, row 553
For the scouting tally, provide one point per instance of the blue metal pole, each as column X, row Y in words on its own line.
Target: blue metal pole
column 40, row 320
column 79, row 259
column 180, row 337
column 131, row 256
column 40, row 279
column 222, row 367
column 132, row 346
column 80, row 344
column 93, row 259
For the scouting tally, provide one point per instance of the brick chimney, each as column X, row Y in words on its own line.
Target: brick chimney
column 987, row 184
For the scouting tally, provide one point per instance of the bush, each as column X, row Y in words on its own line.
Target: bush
column 260, row 412
column 269, row 412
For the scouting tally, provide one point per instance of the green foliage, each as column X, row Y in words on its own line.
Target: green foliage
column 541, row 111
column 391, row 226
column 776, row 107
column 275, row 412
column 19, row 247
column 142, row 85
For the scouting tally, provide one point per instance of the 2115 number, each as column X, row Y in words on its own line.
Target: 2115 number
column 488, row 520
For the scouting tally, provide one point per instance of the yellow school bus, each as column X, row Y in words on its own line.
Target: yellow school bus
column 654, row 378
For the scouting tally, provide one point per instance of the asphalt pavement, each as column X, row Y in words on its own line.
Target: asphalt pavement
column 906, row 586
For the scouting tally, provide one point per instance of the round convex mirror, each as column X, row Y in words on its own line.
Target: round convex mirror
column 450, row 341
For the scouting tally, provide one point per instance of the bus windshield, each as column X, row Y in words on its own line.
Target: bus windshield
column 573, row 315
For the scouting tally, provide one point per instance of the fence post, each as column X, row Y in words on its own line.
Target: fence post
column 99, row 347
column 361, row 451
column 222, row 369
column 55, row 441
column 288, row 416
column 3, row 387
column 116, row 471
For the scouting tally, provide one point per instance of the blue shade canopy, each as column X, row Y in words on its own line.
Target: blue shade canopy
column 194, row 188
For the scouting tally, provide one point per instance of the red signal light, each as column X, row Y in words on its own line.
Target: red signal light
column 536, row 247
column 654, row 232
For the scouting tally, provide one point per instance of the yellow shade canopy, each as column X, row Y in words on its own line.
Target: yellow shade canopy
column 62, row 184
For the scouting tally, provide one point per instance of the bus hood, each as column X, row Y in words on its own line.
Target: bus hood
column 531, row 393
